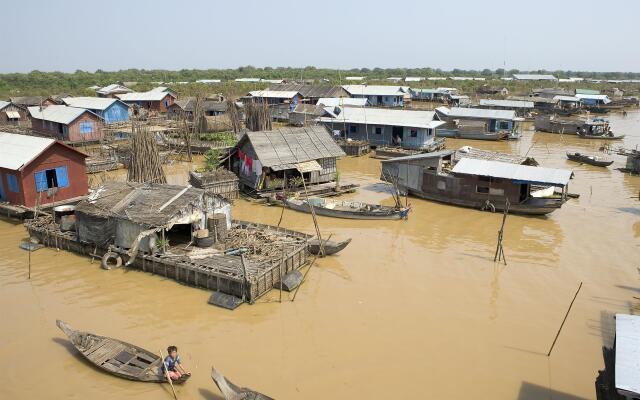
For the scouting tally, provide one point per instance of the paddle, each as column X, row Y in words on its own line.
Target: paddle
column 166, row 373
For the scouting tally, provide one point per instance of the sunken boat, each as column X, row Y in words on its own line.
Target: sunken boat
column 118, row 358
column 230, row 391
column 481, row 183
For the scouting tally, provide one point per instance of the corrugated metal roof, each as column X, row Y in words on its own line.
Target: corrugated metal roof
column 283, row 148
column 602, row 97
column 310, row 90
column 17, row 150
column 374, row 90
column 144, row 96
column 587, row 91
column 533, row 99
column 435, row 154
column 385, row 116
column 343, row 101
column 90, row 103
column 506, row 103
column 524, row 173
column 274, row 94
column 3, row 104
column 57, row 113
column 628, row 353
column 114, row 88
column 566, row 98
column 535, row 77
column 479, row 113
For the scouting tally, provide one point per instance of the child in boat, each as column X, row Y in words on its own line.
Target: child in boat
column 173, row 364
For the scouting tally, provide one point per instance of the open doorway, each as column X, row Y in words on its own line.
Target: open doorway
column 397, row 135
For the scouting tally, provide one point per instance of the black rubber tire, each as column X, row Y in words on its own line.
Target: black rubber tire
column 111, row 255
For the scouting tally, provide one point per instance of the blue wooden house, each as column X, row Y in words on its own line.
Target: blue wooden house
column 111, row 110
column 386, row 96
column 384, row 127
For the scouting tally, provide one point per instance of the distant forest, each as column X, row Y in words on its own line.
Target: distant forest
column 45, row 83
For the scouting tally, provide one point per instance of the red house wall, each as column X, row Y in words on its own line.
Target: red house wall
column 57, row 155
column 73, row 129
column 11, row 197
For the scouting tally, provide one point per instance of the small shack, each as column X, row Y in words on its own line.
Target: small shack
column 36, row 171
column 312, row 93
column 306, row 114
column 130, row 215
column 157, row 99
column 185, row 108
column 272, row 160
column 12, row 113
column 219, row 182
column 273, row 97
column 69, row 124
column 521, row 107
column 109, row 109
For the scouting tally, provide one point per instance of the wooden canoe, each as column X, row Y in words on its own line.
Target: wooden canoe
column 608, row 136
column 330, row 247
column 588, row 159
column 119, row 358
column 233, row 392
column 346, row 209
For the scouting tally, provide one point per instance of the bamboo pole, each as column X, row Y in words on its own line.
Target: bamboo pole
column 166, row 374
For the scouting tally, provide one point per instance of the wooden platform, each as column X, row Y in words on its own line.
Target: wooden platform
column 221, row 272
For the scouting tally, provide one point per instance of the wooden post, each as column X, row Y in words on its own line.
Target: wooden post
column 564, row 320
column 499, row 255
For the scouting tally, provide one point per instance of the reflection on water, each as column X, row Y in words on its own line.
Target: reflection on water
column 419, row 303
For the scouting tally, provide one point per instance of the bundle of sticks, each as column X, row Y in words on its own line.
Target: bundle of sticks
column 145, row 164
column 261, row 245
column 257, row 116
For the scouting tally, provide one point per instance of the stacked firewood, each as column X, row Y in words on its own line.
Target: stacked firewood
column 145, row 164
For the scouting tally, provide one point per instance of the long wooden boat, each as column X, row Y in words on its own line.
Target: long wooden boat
column 607, row 136
column 234, row 392
column 119, row 358
column 329, row 246
column 589, row 159
column 346, row 209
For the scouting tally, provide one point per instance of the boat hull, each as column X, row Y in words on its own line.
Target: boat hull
column 586, row 160
column 326, row 212
column 116, row 357
column 330, row 247
column 531, row 207
column 472, row 135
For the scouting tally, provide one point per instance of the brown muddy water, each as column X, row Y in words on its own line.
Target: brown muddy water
column 411, row 309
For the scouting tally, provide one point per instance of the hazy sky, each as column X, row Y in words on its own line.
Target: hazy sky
column 65, row 35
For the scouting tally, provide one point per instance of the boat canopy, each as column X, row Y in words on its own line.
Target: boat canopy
column 516, row 173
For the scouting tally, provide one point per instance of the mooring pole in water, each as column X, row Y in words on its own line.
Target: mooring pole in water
column 499, row 256
column 564, row 320
column 29, row 249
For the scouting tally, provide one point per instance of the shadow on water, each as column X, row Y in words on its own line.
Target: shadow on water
column 209, row 395
column 531, row 391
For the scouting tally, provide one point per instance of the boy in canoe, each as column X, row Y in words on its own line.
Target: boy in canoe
column 173, row 364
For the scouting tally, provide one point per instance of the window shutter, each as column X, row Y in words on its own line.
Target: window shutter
column 63, row 178
column 41, row 181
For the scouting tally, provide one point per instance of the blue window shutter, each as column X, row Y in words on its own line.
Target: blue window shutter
column 12, row 183
column 62, row 176
column 41, row 181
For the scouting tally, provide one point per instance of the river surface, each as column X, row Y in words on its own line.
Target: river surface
column 411, row 309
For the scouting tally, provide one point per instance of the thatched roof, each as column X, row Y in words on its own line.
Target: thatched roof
column 283, row 148
column 143, row 203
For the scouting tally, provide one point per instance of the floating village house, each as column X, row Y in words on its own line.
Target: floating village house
column 306, row 114
column 270, row 160
column 185, row 107
column 380, row 126
column 11, row 113
column 593, row 99
column 112, row 90
column 69, row 124
column 158, row 99
column 521, row 107
column 273, row 97
column 477, row 123
column 35, row 171
column 539, row 103
column 387, row 96
column 29, row 101
column 240, row 261
column 441, row 94
column 312, row 93
column 480, row 182
column 109, row 109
